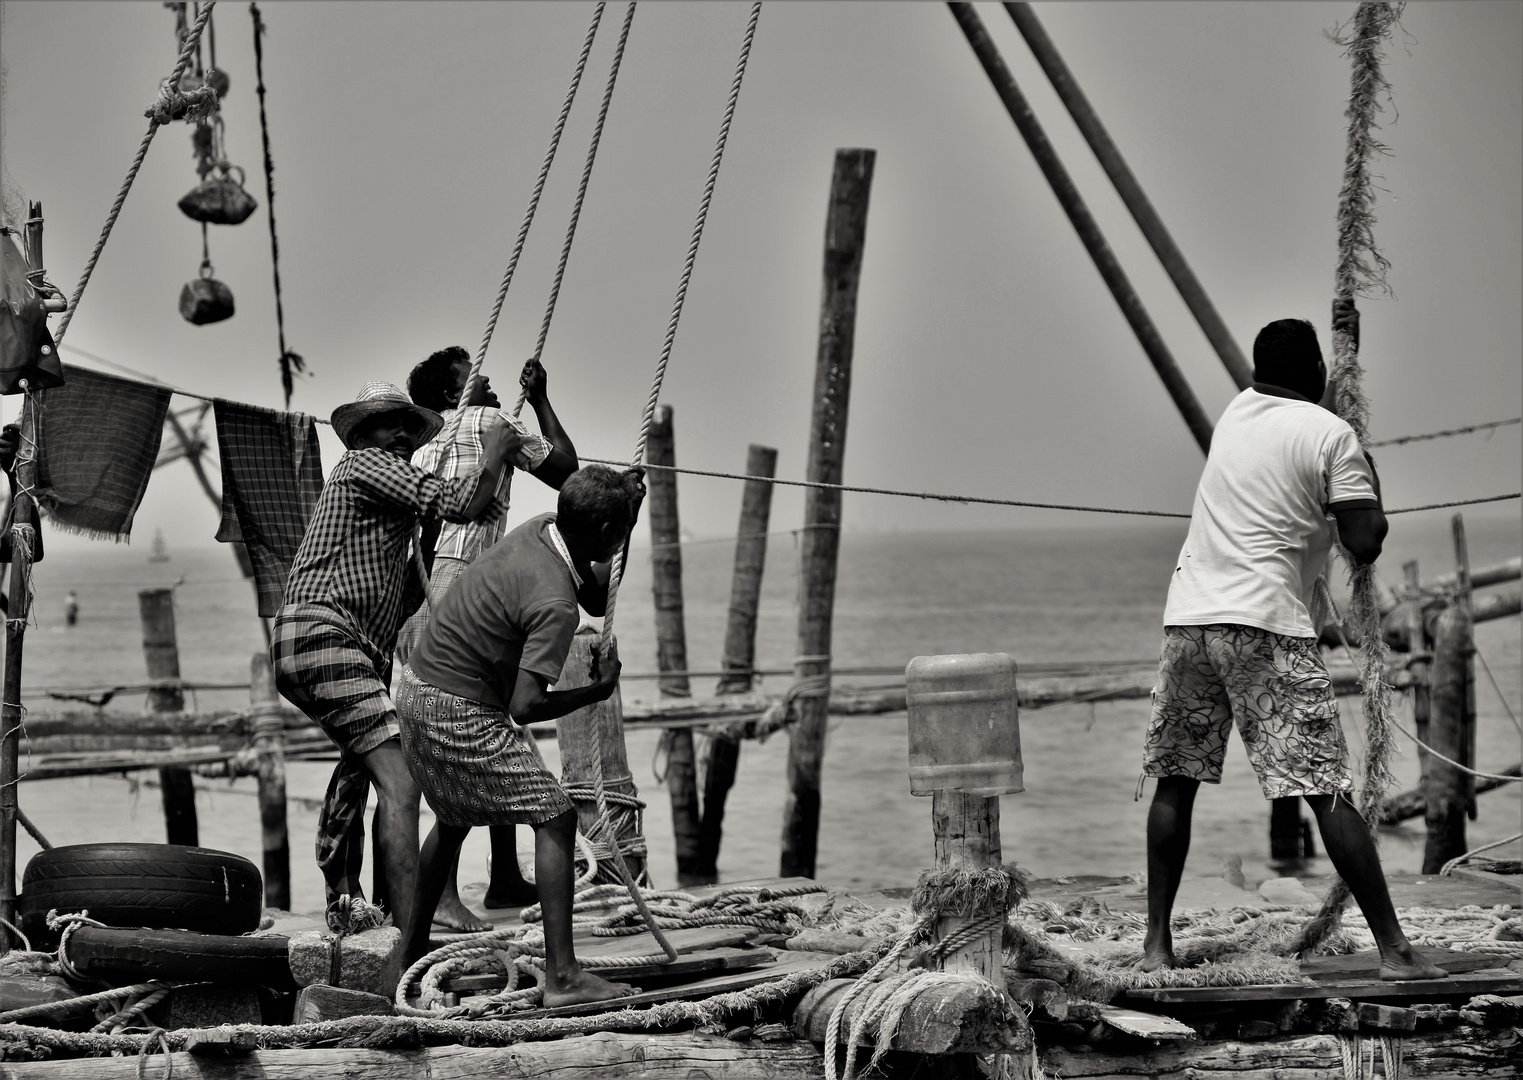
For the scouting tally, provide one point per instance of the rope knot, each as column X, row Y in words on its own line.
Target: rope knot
column 172, row 104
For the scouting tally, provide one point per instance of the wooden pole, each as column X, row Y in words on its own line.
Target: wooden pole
column 1447, row 790
column 1152, row 226
column 845, row 234
column 1420, row 643
column 574, row 734
column 671, row 638
column 161, row 651
column 967, row 835
column 23, row 534
column 739, row 660
column 268, row 723
column 1464, row 595
column 1084, row 223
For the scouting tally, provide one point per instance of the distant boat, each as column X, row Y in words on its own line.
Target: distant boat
column 160, row 553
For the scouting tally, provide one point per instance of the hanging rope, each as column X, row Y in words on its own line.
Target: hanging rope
column 539, row 188
column 617, row 570
column 581, row 195
column 291, row 364
column 1361, row 268
column 165, row 108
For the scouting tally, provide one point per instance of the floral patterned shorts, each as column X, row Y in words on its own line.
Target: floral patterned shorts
column 1278, row 690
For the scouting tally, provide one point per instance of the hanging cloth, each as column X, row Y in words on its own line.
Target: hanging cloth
column 97, row 437
column 272, row 475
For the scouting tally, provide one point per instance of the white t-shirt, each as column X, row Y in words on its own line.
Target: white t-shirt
column 1260, row 531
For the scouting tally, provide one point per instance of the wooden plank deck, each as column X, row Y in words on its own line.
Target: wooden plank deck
column 1463, row 985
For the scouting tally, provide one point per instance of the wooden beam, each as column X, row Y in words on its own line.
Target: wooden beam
column 269, row 745
column 965, row 1018
column 845, row 236
column 1447, row 791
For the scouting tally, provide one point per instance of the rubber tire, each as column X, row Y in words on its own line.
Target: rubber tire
column 159, row 886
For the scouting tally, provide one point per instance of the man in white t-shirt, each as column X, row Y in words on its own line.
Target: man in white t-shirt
column 1283, row 480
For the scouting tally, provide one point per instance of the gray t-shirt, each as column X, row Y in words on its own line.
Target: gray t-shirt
column 513, row 609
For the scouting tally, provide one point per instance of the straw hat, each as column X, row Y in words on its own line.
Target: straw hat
column 382, row 397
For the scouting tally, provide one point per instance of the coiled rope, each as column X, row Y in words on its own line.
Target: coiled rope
column 1361, row 267
column 167, row 106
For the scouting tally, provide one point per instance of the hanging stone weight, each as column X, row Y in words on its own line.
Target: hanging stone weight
column 220, row 200
column 206, row 300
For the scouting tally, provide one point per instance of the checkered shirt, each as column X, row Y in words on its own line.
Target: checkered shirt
column 354, row 558
column 455, row 452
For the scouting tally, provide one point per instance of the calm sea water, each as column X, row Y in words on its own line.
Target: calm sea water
column 1050, row 595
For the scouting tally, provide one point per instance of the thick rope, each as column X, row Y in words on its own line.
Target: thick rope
column 154, row 123
column 539, row 188
column 581, row 195
column 617, row 571
column 1361, row 267
column 1452, row 863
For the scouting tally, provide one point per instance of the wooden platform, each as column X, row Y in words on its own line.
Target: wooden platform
column 1462, row 986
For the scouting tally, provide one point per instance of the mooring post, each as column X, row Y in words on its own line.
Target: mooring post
column 1464, row 595
column 161, row 651
column 739, row 660
column 671, row 637
column 845, row 234
column 268, row 726
column 965, row 751
column 1420, row 648
column 574, row 734
column 1447, row 790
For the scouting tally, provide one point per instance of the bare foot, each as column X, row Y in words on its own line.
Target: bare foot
column 1402, row 963
column 582, row 987
column 518, row 894
column 1158, row 954
column 456, row 916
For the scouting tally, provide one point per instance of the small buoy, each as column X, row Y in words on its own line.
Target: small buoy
column 205, row 299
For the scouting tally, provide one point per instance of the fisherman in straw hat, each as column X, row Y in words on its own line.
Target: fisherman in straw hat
column 350, row 589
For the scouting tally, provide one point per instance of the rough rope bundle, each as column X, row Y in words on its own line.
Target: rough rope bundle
column 1361, row 267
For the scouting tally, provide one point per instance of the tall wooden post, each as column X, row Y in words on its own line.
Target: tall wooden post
column 23, row 534
column 671, row 637
column 1420, row 647
column 162, row 653
column 1447, row 789
column 845, row 234
column 268, row 726
column 739, row 658
column 1464, row 595
column 574, row 733
column 967, row 836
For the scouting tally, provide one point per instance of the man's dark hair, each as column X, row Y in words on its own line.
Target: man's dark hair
column 1286, row 354
column 590, row 498
column 431, row 382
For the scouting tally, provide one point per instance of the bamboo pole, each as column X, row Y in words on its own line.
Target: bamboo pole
column 23, row 534
column 1084, row 223
column 1465, row 596
column 671, row 638
column 162, row 653
column 845, row 234
column 1127, row 186
column 739, row 660
column 268, row 723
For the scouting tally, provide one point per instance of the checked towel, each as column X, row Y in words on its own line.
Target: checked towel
column 272, row 476
column 98, row 437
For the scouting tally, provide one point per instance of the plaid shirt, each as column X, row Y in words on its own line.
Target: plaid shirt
column 455, row 452
column 354, row 556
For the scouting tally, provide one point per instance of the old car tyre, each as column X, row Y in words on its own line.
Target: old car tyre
column 160, row 886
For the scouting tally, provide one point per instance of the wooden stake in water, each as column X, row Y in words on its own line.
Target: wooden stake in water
column 161, row 651
column 845, row 235
column 268, row 728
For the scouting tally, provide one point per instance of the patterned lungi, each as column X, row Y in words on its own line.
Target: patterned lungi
column 323, row 668
column 1278, row 690
column 474, row 764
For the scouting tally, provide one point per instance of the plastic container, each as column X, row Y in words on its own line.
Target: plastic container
column 964, row 732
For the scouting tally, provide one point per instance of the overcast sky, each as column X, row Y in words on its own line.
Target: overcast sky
column 990, row 359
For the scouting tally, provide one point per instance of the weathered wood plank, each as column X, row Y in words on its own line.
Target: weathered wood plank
column 708, row 962
column 689, row 939
column 1489, row 981
column 610, row 1054
column 1146, row 1025
column 970, row 1017
column 1366, row 964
